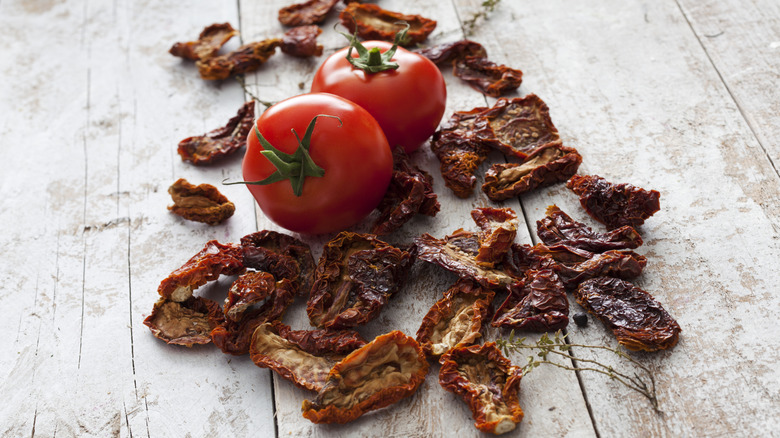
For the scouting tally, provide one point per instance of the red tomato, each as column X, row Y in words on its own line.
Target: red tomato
column 408, row 102
column 353, row 152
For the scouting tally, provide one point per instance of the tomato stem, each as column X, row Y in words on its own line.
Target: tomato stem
column 374, row 61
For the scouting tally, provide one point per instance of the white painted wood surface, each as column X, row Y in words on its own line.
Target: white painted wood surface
column 93, row 109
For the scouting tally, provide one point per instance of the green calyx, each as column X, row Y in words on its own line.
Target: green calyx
column 372, row 60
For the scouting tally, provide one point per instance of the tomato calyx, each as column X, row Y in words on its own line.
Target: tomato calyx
column 372, row 60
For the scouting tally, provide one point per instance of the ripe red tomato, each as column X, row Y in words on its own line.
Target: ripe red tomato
column 352, row 150
column 408, row 102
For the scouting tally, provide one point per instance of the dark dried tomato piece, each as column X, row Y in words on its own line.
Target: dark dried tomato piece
column 211, row 39
column 245, row 59
column 374, row 23
column 184, row 323
column 201, row 203
column 487, row 382
column 519, row 125
column 448, row 53
column 301, row 41
column 523, row 258
column 213, row 260
column 456, row 319
column 308, row 12
column 356, row 275
column 499, row 228
column 486, row 76
column 382, row 372
column 548, row 164
column 620, row 264
column 614, row 205
column 537, row 304
column 220, row 142
column 638, row 321
column 558, row 228
column 281, row 255
column 304, row 357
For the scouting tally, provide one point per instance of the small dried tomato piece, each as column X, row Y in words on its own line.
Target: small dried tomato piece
column 499, row 228
column 620, row 264
column 548, row 164
column 487, row 382
column 213, row 260
column 456, row 319
column 211, row 39
column 374, row 23
column 614, row 205
column 248, row 289
column 220, row 142
column 308, row 12
column 304, row 357
column 519, row 125
column 558, row 228
column 486, row 76
column 638, row 321
column 281, row 255
column 245, row 59
column 382, row 372
column 184, row 323
column 201, row 203
column 301, row 41
column 523, row 258
column 448, row 53
column 537, row 304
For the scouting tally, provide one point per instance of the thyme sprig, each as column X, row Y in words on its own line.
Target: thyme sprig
column 469, row 24
column 242, row 81
column 559, row 346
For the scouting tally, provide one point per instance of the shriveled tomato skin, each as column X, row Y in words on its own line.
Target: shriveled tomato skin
column 408, row 102
column 353, row 151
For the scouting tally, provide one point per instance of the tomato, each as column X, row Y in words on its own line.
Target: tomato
column 408, row 102
column 352, row 151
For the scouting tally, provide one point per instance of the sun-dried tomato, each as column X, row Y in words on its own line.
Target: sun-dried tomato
column 374, row 23
column 201, row 203
column 410, row 192
column 245, row 59
column 614, row 205
column 519, row 125
column 356, row 275
column 213, row 260
column 620, row 264
column 253, row 299
column 382, row 372
column 221, row 142
column 499, row 228
column 301, row 41
column 456, row 319
column 448, row 53
column 308, row 12
column 537, row 304
column 281, row 255
column 558, row 228
column 523, row 258
column 184, row 323
column 211, row 39
column 486, row 76
column 304, row 357
column 487, row 382
column 638, row 321
column 548, row 164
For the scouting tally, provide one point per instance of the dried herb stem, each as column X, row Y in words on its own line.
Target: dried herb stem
column 242, row 81
column 470, row 23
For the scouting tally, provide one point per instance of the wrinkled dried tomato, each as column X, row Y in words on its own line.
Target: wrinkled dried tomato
column 382, row 372
column 620, row 264
column 519, row 125
column 537, row 304
column 211, row 39
column 245, row 59
column 456, row 319
column 281, row 255
column 638, row 321
column 548, row 164
column 356, row 275
column 374, row 23
column 499, row 228
column 308, row 12
column 487, row 382
column 301, row 41
column 220, row 142
column 614, row 205
column 213, row 260
column 304, row 357
column 448, row 53
column 201, row 203
column 184, row 323
column 558, row 228
column 523, row 258
column 486, row 76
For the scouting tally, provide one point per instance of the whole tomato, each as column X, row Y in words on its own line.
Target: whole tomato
column 407, row 101
column 347, row 164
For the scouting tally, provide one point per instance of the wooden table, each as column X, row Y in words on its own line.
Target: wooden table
column 679, row 96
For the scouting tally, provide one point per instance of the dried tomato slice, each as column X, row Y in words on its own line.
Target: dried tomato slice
column 213, row 260
column 638, row 321
column 304, row 357
column 558, row 228
column 245, row 59
column 201, row 203
column 519, row 125
column 374, row 23
column 499, row 228
column 614, row 205
column 281, row 255
column 487, row 382
column 456, row 319
column 537, row 304
column 184, row 323
column 548, row 164
column 382, row 372
column 301, row 41
column 448, row 53
column 355, row 277
column 220, row 142
column 486, row 76
column 211, row 39
column 308, row 12
column 523, row 258
column 620, row 264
